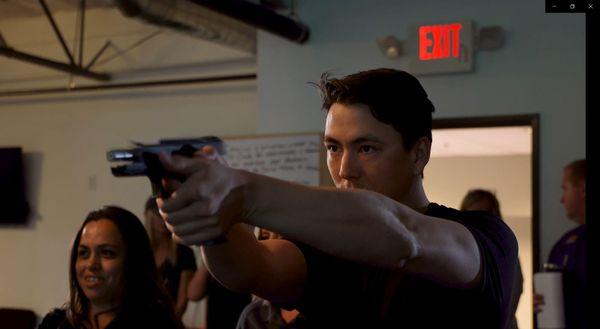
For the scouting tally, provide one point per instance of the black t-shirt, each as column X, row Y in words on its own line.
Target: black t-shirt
column 171, row 273
column 224, row 306
column 344, row 294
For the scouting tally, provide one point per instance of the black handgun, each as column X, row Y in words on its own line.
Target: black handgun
column 143, row 160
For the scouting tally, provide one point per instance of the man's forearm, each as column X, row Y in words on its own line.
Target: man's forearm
column 236, row 263
column 273, row 269
column 358, row 225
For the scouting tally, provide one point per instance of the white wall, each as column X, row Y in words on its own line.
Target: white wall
column 65, row 137
column 540, row 69
column 66, row 141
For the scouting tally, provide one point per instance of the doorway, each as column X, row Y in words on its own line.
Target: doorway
column 499, row 154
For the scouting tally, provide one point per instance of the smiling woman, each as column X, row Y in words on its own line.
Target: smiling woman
column 113, row 278
column 99, row 264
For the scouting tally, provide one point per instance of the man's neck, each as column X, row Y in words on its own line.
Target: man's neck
column 416, row 197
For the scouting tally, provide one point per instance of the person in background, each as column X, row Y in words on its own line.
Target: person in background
column 176, row 262
column 569, row 254
column 112, row 278
column 223, row 306
column 485, row 200
column 260, row 313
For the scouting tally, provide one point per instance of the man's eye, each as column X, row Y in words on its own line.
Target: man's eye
column 332, row 148
column 367, row 149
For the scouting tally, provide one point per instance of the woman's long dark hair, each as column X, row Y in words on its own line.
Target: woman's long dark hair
column 143, row 290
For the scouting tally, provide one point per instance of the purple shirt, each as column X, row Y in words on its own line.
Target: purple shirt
column 570, row 255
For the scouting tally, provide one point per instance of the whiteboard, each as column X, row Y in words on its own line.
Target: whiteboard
column 295, row 158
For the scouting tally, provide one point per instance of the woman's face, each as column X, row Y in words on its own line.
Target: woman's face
column 100, row 263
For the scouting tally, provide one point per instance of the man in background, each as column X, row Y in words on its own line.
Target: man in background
column 569, row 254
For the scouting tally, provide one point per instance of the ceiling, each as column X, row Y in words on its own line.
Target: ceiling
column 13, row 9
column 137, row 50
column 495, row 141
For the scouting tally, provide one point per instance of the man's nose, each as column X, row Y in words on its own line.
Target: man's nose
column 349, row 168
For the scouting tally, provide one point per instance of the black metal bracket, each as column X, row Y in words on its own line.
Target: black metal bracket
column 121, row 86
column 71, row 67
column 57, row 31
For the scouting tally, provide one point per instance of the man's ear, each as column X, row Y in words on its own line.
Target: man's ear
column 420, row 155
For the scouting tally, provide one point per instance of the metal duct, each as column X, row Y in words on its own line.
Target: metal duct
column 260, row 17
column 231, row 23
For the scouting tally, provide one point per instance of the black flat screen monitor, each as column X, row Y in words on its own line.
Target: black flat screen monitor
column 14, row 208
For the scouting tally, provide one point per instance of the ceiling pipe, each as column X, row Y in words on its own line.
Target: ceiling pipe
column 260, row 17
column 229, row 22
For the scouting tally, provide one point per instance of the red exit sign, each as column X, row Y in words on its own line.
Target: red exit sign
column 441, row 47
column 439, row 41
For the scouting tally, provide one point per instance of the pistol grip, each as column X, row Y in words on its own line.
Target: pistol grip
column 156, row 172
column 158, row 191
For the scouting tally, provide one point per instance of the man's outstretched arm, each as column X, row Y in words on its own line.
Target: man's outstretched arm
column 358, row 225
column 367, row 227
column 271, row 269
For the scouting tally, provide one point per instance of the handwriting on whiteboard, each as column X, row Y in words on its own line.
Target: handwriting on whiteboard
column 292, row 158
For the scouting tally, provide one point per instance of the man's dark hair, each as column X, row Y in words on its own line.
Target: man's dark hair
column 394, row 97
column 577, row 171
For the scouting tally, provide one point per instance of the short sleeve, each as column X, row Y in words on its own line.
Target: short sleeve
column 499, row 256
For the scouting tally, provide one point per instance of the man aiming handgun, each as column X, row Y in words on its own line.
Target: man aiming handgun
column 373, row 252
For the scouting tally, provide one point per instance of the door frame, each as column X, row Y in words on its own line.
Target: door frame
column 531, row 120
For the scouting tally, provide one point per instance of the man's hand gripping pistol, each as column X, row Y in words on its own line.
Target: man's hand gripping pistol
column 143, row 161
